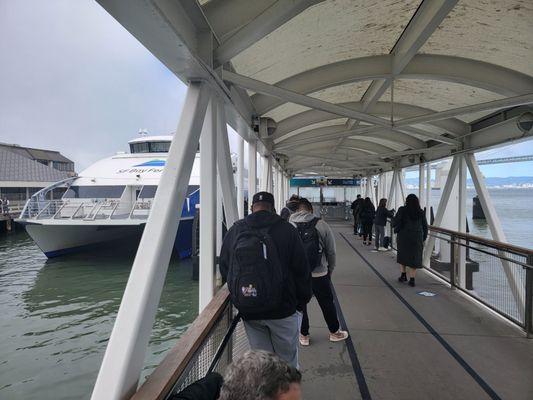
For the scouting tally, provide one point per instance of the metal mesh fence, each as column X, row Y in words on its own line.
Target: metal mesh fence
column 204, row 356
column 493, row 275
column 499, row 281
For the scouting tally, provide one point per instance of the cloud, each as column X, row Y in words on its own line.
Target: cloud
column 74, row 80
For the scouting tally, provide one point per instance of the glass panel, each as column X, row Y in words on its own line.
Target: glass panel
column 148, row 192
column 159, row 147
column 139, row 147
column 94, row 192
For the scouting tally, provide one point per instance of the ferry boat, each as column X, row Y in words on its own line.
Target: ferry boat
column 108, row 201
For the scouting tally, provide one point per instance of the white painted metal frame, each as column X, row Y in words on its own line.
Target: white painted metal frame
column 252, row 170
column 125, row 352
column 495, row 228
column 208, row 204
column 240, row 177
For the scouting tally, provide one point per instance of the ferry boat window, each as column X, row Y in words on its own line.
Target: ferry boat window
column 94, row 192
column 148, row 192
column 141, row 147
column 149, row 147
column 159, row 147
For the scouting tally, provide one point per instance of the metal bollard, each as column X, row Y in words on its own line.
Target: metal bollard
column 453, row 261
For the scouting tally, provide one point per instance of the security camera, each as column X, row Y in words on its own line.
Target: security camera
column 525, row 122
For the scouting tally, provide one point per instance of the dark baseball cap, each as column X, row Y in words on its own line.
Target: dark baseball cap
column 263, row 196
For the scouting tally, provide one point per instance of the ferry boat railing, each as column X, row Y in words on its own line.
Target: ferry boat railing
column 481, row 274
column 213, row 340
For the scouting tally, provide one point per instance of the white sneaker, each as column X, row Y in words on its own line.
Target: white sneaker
column 383, row 249
column 304, row 340
column 338, row 336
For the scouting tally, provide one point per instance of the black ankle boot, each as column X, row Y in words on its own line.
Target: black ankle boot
column 412, row 282
column 403, row 277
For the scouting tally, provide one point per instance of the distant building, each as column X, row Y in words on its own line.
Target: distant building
column 25, row 170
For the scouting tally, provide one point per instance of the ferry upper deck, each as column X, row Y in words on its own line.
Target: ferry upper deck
column 339, row 89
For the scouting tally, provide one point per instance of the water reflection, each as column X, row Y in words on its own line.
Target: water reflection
column 57, row 316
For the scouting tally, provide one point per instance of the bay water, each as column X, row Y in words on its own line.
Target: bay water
column 56, row 315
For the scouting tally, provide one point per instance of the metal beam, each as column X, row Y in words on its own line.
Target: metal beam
column 126, row 350
column 490, row 105
column 339, row 131
column 252, row 170
column 297, row 98
column 480, row 74
column 517, row 288
column 288, row 125
column 208, row 203
column 427, row 18
column 225, row 169
column 263, row 24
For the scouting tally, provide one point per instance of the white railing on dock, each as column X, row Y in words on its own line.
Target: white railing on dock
column 90, row 210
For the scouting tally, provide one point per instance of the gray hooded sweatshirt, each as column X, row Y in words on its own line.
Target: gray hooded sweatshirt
column 326, row 240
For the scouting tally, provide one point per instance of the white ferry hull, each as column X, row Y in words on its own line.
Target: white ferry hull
column 58, row 240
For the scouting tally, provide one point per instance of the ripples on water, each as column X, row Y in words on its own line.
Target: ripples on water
column 56, row 317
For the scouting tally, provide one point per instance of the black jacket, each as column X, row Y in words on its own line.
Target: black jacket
column 292, row 256
column 367, row 214
column 381, row 216
column 412, row 232
column 356, row 206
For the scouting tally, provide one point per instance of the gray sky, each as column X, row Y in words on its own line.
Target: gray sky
column 73, row 79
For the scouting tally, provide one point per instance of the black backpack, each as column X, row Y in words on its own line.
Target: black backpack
column 311, row 241
column 256, row 278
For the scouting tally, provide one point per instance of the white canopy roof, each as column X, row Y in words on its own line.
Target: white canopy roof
column 343, row 80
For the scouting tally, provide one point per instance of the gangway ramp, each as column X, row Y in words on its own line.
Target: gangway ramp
column 410, row 346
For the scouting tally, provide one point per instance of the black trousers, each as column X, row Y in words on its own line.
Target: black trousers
column 367, row 231
column 324, row 296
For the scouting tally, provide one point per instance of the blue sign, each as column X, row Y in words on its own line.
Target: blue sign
column 316, row 182
column 152, row 163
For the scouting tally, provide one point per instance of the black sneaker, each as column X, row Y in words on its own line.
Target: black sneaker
column 402, row 278
column 412, row 282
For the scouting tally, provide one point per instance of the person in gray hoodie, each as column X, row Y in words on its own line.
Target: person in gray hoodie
column 319, row 243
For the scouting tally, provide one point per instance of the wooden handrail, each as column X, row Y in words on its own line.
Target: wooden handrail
column 162, row 379
column 483, row 241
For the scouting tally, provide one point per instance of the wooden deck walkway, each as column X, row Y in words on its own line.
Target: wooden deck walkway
column 407, row 346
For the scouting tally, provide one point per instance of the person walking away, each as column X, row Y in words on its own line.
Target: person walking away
column 356, row 209
column 290, row 207
column 366, row 216
column 412, row 228
column 264, row 263
column 380, row 221
column 319, row 244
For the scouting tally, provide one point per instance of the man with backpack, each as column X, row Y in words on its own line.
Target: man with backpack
column 319, row 244
column 290, row 207
column 356, row 207
column 264, row 263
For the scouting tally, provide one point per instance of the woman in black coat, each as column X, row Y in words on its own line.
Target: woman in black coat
column 412, row 228
column 367, row 214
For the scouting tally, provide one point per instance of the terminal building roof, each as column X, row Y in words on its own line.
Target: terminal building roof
column 15, row 167
column 350, row 86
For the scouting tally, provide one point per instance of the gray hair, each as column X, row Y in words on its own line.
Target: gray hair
column 258, row 375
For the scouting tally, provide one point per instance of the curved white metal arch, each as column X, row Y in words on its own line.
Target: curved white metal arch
column 381, row 108
column 328, row 133
column 370, row 148
column 480, row 74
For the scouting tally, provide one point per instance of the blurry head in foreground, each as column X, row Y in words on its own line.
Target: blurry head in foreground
column 259, row 375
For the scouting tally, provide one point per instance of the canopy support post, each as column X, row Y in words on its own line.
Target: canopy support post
column 126, row 350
